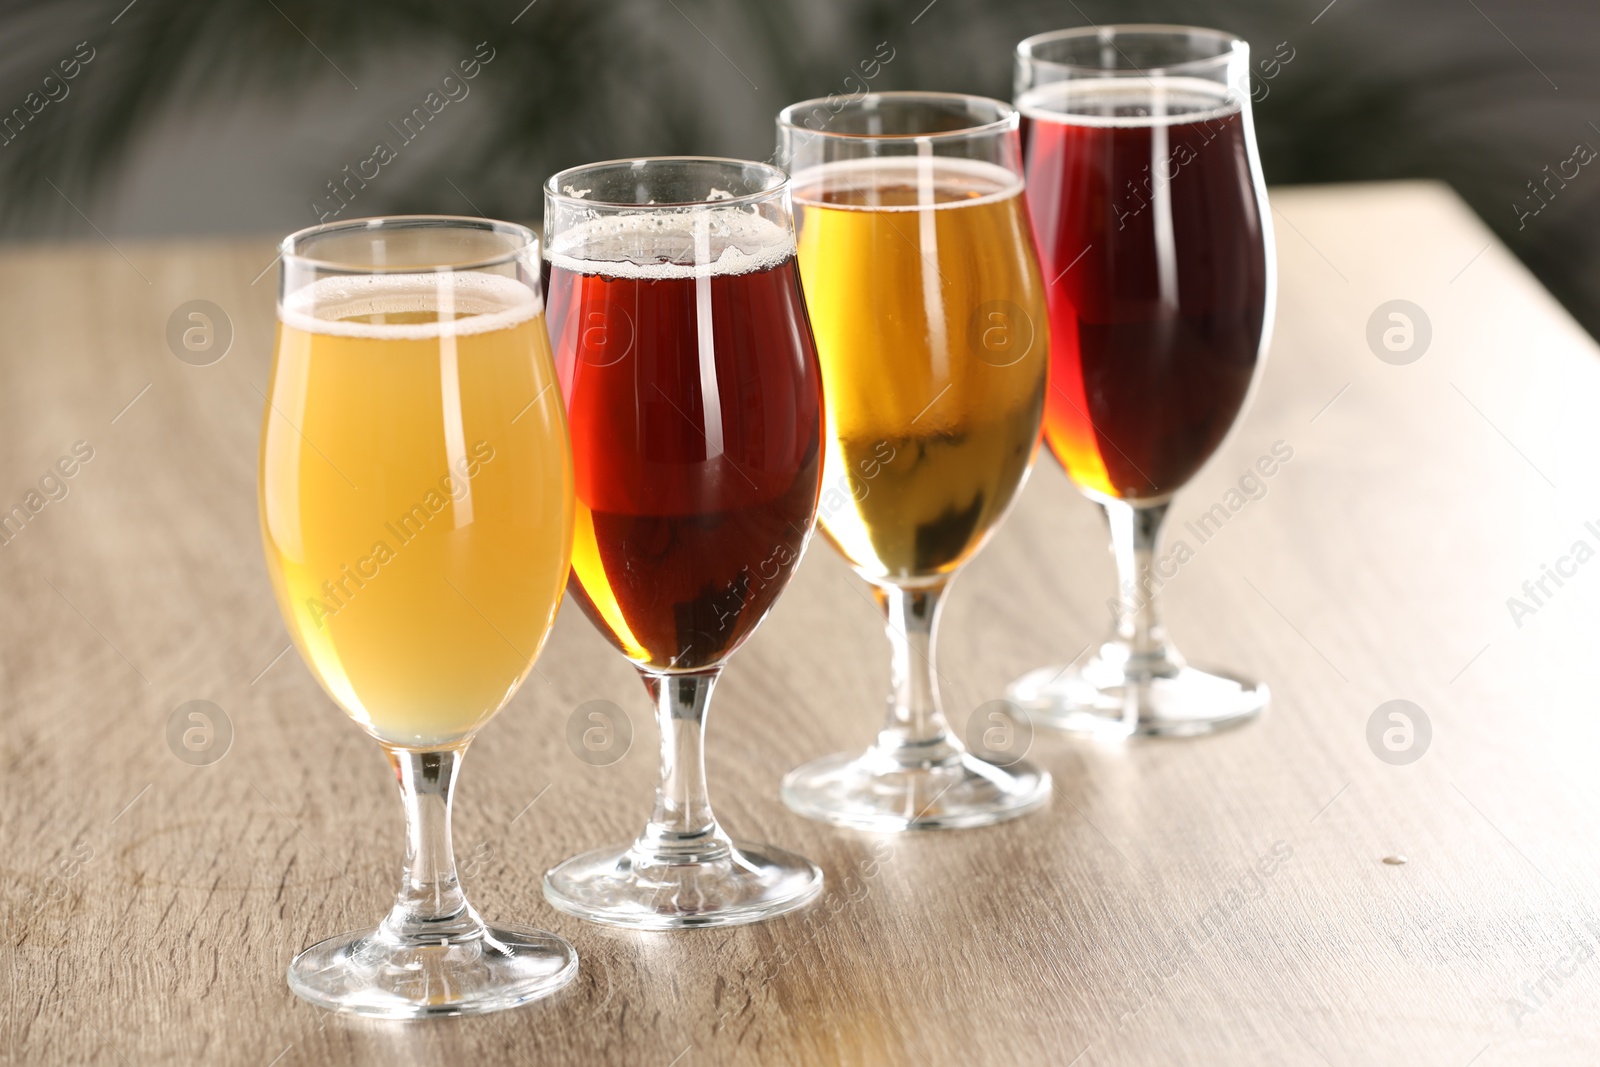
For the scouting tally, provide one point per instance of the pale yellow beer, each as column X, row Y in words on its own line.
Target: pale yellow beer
column 930, row 324
column 416, row 495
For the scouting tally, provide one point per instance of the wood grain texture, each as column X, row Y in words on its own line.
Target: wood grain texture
column 150, row 906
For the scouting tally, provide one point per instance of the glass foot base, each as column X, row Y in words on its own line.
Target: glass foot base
column 368, row 973
column 1098, row 700
column 875, row 793
column 623, row 887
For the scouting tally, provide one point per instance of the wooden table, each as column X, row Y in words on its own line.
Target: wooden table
column 150, row 905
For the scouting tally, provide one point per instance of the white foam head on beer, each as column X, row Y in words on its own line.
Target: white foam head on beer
column 1129, row 102
column 943, row 183
column 464, row 303
column 658, row 245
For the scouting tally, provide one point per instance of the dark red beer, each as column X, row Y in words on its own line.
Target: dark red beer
column 1153, row 254
column 695, row 405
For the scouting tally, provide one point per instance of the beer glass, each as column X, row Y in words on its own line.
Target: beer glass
column 1152, row 223
column 929, row 314
column 416, row 510
column 691, row 381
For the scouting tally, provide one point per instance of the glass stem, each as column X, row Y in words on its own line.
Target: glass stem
column 1135, row 537
column 916, row 733
column 682, row 830
column 431, row 907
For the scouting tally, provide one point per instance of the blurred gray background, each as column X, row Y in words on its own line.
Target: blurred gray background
column 231, row 116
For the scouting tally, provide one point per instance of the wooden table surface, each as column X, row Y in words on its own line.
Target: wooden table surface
column 1224, row 900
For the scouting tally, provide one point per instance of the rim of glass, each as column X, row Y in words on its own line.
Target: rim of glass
column 778, row 180
column 526, row 240
column 1227, row 44
column 1009, row 117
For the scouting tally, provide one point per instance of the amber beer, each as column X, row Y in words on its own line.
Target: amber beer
column 1157, row 327
column 416, row 495
column 931, row 327
column 696, row 446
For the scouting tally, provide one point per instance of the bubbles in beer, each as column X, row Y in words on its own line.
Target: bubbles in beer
column 668, row 244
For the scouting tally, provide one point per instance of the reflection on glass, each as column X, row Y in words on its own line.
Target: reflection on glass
column 930, row 322
column 1150, row 213
column 416, row 509
column 690, row 375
